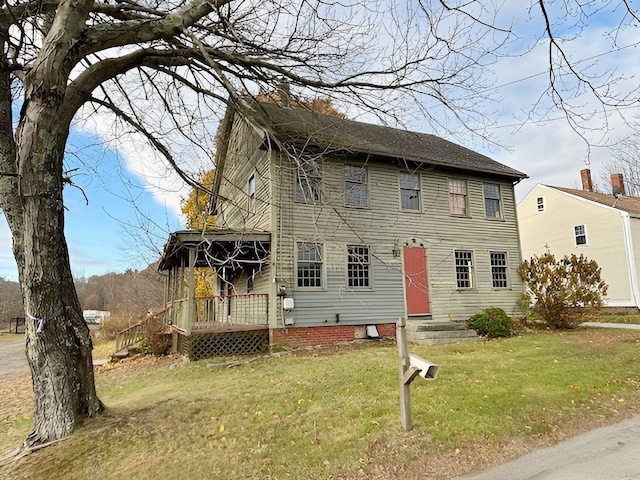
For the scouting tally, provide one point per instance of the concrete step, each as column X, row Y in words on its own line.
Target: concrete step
column 445, row 341
column 439, row 332
column 434, row 326
column 442, row 334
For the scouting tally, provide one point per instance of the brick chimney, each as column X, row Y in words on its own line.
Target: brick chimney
column 587, row 184
column 617, row 184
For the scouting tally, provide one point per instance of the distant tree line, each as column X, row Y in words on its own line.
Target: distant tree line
column 131, row 293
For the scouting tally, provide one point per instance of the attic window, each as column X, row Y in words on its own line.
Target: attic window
column 308, row 180
column 251, row 194
column 540, row 204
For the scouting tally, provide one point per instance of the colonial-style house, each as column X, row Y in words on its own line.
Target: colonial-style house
column 605, row 227
column 329, row 229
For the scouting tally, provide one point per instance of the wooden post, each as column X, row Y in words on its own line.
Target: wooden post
column 191, row 289
column 405, row 386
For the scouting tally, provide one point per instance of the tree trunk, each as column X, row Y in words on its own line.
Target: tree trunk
column 58, row 343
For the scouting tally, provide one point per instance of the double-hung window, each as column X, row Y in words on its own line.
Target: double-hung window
column 309, row 265
column 355, row 186
column 358, row 266
column 540, row 204
column 308, row 180
column 499, row 269
column 464, row 269
column 458, row 196
column 409, row 191
column 580, row 232
column 492, row 200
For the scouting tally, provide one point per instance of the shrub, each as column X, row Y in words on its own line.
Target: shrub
column 156, row 341
column 492, row 323
column 561, row 292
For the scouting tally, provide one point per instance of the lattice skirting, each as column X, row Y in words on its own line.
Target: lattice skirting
column 205, row 345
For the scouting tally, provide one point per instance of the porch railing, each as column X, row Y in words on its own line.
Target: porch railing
column 242, row 309
column 248, row 309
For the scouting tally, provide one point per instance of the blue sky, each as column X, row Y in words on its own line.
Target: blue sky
column 120, row 181
column 108, row 230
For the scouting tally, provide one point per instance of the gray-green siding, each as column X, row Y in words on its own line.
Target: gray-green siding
column 382, row 226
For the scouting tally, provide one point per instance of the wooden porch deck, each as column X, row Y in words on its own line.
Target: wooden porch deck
column 200, row 328
column 216, row 339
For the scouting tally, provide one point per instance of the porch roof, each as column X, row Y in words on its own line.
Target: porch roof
column 215, row 248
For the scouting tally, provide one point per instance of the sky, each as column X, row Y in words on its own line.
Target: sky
column 117, row 198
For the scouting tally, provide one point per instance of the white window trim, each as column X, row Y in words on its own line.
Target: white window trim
column 544, row 204
column 585, row 234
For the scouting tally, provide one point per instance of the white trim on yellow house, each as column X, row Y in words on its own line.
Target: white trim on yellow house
column 625, row 292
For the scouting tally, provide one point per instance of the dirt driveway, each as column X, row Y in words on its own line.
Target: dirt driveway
column 13, row 361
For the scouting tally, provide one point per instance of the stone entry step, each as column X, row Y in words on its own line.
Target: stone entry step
column 438, row 333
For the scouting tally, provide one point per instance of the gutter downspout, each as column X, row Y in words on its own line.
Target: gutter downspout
column 631, row 261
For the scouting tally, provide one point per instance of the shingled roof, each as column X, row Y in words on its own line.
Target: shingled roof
column 622, row 202
column 293, row 125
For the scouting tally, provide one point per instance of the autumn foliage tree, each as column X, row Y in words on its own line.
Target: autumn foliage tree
column 195, row 207
column 562, row 292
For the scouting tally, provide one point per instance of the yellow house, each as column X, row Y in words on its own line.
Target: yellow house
column 605, row 227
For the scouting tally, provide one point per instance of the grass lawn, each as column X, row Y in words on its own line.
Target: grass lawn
column 334, row 413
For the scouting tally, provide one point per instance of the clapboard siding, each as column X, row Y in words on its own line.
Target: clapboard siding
column 382, row 226
column 244, row 158
column 553, row 230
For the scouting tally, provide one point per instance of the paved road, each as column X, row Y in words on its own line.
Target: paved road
column 13, row 361
column 611, row 453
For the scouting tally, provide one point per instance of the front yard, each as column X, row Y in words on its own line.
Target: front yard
column 334, row 413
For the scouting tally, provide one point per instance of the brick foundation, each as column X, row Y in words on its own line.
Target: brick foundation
column 325, row 335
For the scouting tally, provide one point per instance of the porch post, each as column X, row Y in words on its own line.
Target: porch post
column 191, row 289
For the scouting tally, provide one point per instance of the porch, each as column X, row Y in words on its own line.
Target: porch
column 224, row 321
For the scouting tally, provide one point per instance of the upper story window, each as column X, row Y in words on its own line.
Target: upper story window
column 358, row 266
column 458, row 196
column 308, row 180
column 492, row 200
column 309, row 265
column 464, row 268
column 409, row 191
column 355, row 186
column 540, row 204
column 580, row 232
column 499, row 269
column 251, row 194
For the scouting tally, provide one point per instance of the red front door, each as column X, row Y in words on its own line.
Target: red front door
column 416, row 281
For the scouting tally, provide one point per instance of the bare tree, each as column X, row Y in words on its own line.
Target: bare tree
column 166, row 70
column 625, row 159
